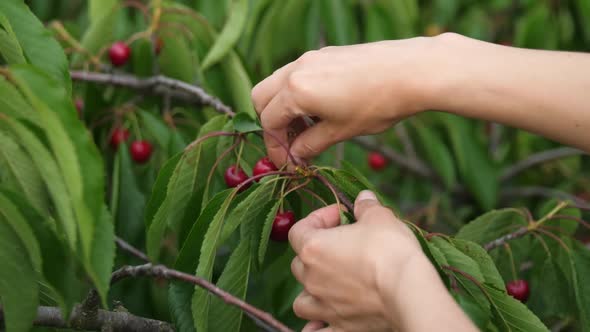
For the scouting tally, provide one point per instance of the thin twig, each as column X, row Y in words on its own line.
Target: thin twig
column 161, row 271
column 116, row 321
column 505, row 238
column 538, row 158
column 123, row 245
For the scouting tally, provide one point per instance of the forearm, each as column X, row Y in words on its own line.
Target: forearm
column 544, row 92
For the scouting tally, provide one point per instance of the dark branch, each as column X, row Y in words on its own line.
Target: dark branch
column 161, row 271
column 159, row 85
column 103, row 320
column 123, row 245
column 538, row 158
column 503, row 239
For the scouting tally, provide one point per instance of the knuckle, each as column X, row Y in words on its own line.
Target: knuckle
column 299, row 307
column 307, row 57
column 310, row 250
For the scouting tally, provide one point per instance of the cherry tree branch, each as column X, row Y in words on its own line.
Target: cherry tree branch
column 538, row 158
column 161, row 271
column 159, row 85
column 123, row 245
column 503, row 239
column 103, row 320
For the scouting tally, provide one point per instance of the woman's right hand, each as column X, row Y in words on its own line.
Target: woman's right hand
column 352, row 90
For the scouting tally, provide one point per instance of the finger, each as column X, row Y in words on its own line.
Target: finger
column 265, row 91
column 313, row 326
column 275, row 119
column 297, row 269
column 314, row 141
column 326, row 217
column 308, row 307
column 365, row 201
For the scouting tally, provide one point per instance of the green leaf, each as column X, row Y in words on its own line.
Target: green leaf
column 20, row 173
column 239, row 83
column 537, row 29
column 59, row 270
column 131, row 201
column 549, row 293
column 102, row 256
column 244, row 123
column 13, row 104
column 233, row 280
column 483, row 260
column 156, row 127
column 265, row 234
column 200, row 302
column 176, row 59
column 18, row 281
column 99, row 8
column 478, row 315
column 10, row 48
column 51, row 175
column 580, row 263
column 180, row 294
column 187, row 181
column 159, row 189
column 437, row 154
column 583, row 10
column 338, row 19
column 248, row 209
column 40, row 49
column 510, row 314
column 72, row 146
column 492, row 225
column 569, row 226
column 474, row 164
column 99, row 33
column 455, row 258
column 228, row 37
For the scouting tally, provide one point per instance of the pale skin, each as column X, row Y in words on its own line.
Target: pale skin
column 373, row 276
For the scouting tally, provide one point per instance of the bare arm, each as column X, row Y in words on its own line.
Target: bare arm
column 365, row 89
column 545, row 92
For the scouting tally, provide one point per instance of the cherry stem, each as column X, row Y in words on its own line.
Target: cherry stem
column 316, row 196
column 340, row 197
column 554, row 237
column 207, row 136
column 511, row 257
column 260, row 176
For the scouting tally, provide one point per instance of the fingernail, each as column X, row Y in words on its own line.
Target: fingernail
column 366, row 195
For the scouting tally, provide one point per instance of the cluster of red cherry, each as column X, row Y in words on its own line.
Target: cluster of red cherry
column 235, row 176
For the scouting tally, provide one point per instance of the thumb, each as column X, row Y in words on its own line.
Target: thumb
column 313, row 141
column 365, row 201
column 326, row 217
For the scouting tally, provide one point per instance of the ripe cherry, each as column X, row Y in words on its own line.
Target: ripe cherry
column 141, row 151
column 377, row 161
column 263, row 166
column 79, row 102
column 281, row 226
column 234, row 176
column 118, row 136
column 519, row 289
column 119, row 53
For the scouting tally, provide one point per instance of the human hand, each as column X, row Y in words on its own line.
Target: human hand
column 345, row 270
column 352, row 90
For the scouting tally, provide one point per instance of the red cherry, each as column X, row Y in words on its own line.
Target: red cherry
column 159, row 43
column 518, row 289
column 118, row 136
column 281, row 226
column 377, row 161
column 119, row 53
column 234, row 176
column 79, row 102
column 141, row 151
column 263, row 166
